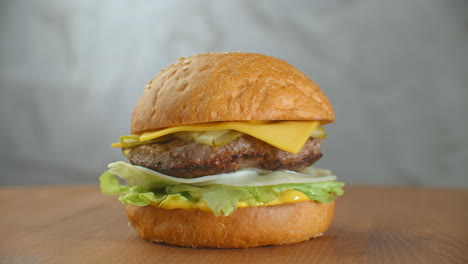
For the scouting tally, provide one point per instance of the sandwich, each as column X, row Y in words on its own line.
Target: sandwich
column 221, row 152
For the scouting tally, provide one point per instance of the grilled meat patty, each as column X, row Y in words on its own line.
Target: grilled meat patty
column 184, row 159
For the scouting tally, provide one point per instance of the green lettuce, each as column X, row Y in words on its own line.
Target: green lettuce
column 141, row 189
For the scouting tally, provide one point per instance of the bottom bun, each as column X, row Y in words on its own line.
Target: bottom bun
column 245, row 227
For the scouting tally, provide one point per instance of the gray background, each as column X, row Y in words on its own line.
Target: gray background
column 395, row 71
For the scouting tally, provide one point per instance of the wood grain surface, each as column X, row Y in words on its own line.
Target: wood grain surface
column 77, row 224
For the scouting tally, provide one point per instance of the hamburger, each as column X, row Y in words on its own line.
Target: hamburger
column 221, row 152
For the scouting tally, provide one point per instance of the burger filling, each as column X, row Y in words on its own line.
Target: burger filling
column 220, row 170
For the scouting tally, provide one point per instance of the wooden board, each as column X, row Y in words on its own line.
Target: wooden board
column 78, row 224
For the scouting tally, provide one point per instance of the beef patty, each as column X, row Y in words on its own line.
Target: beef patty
column 184, row 159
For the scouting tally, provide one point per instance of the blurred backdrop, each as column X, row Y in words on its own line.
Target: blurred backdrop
column 396, row 73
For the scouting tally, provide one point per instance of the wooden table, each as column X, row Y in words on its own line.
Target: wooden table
column 372, row 225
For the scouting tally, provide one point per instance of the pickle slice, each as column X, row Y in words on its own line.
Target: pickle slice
column 226, row 138
column 134, row 140
column 218, row 137
column 213, row 138
column 319, row 133
column 187, row 135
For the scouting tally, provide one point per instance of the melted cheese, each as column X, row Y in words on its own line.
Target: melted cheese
column 180, row 202
column 286, row 135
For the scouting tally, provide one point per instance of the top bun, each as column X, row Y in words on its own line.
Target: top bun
column 230, row 86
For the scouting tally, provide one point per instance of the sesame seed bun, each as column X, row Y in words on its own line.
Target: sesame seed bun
column 232, row 86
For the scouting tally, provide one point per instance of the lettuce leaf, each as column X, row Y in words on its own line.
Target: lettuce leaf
column 142, row 189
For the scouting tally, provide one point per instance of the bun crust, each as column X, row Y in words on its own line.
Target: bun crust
column 228, row 86
column 245, row 227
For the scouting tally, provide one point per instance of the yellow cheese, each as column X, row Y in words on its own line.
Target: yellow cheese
column 180, row 202
column 286, row 196
column 289, row 196
column 286, row 135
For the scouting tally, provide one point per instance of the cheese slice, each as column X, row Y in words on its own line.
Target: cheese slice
column 286, row 135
